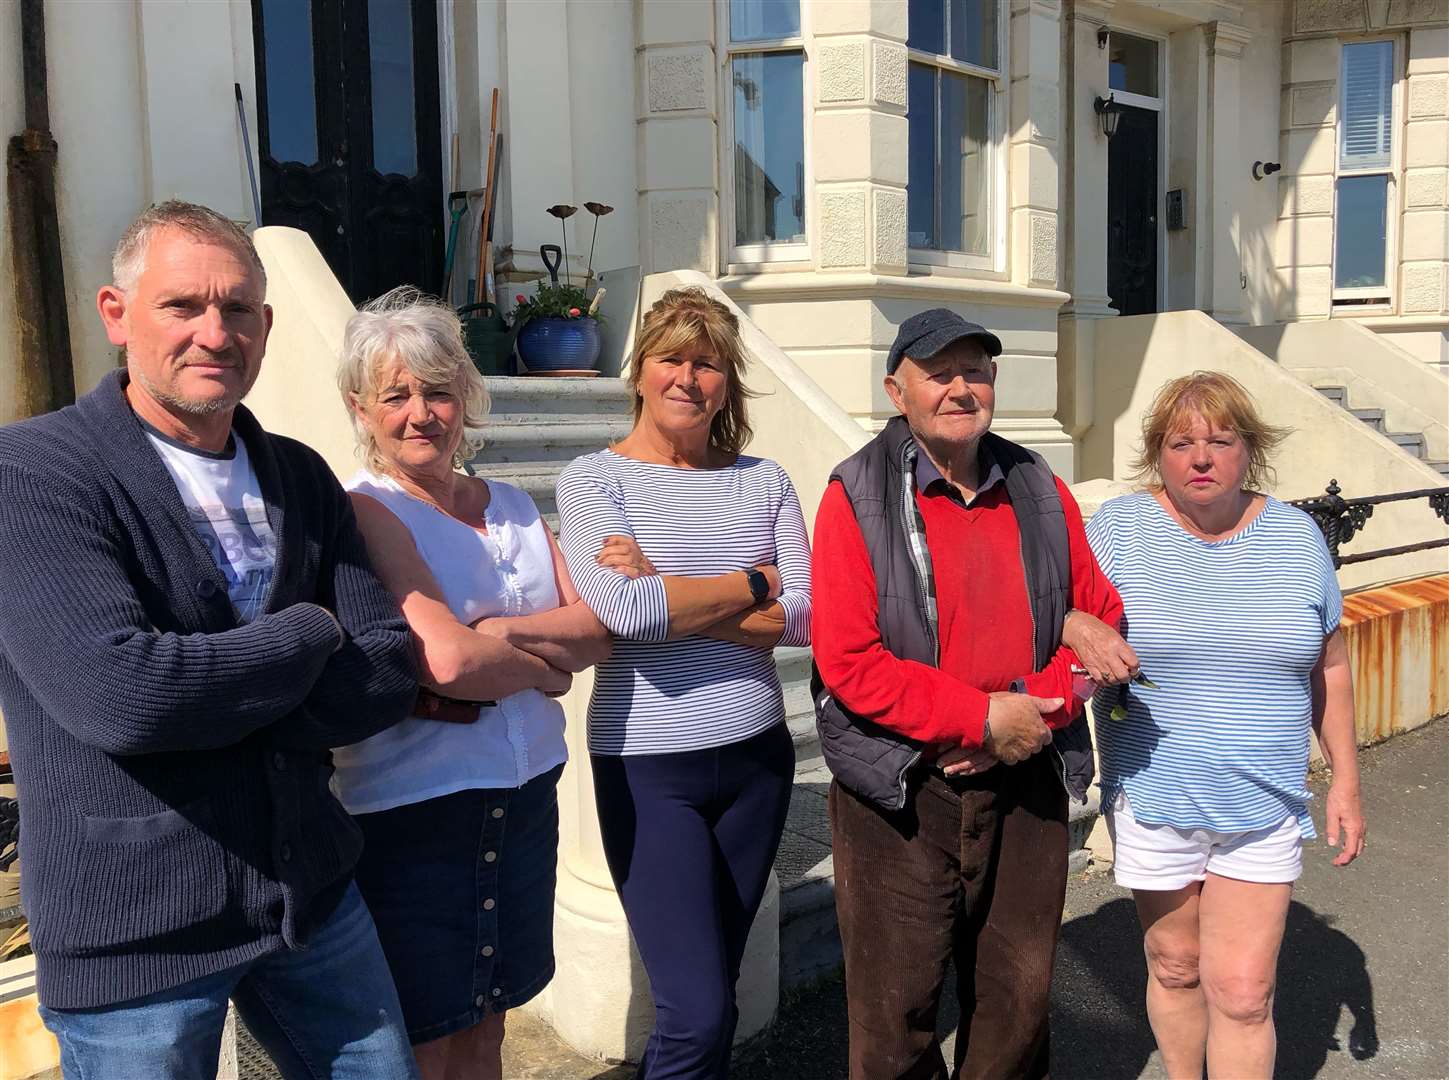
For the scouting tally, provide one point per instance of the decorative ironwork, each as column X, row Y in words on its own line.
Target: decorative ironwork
column 1340, row 519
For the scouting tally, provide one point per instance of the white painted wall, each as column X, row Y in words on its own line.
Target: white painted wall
column 1256, row 124
column 1419, row 243
column 142, row 109
column 1326, row 442
column 1376, row 373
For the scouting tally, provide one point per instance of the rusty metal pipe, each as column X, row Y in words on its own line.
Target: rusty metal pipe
column 47, row 377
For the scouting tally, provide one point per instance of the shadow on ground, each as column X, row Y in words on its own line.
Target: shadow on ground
column 1099, row 1019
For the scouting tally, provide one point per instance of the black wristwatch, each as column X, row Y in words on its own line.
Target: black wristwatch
column 759, row 585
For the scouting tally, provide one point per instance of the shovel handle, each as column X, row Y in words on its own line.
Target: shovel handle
column 557, row 252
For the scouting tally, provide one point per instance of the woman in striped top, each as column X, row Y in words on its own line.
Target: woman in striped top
column 694, row 555
column 1232, row 609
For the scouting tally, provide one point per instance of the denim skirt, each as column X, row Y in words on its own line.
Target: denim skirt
column 461, row 888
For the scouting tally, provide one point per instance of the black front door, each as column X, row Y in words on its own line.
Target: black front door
column 1132, row 212
column 350, row 131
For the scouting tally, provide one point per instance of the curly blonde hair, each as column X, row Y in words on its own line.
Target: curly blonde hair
column 424, row 336
column 1223, row 403
column 677, row 320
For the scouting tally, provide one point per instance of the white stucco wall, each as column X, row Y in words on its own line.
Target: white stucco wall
column 142, row 109
column 1261, row 80
column 1419, row 240
column 1325, row 441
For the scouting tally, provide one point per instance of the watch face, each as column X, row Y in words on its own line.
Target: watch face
column 759, row 585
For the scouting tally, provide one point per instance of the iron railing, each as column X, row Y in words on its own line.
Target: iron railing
column 1340, row 519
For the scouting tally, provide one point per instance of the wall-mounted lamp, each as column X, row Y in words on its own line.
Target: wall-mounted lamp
column 1102, row 34
column 1108, row 113
column 1264, row 169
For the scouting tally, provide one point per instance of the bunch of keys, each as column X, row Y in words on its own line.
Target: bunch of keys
column 1083, row 686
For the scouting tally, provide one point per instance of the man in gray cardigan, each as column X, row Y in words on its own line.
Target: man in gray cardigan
column 188, row 624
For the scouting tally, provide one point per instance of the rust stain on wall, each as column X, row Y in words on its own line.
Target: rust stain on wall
column 1398, row 643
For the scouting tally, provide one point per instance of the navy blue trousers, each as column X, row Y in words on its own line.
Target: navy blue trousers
column 690, row 839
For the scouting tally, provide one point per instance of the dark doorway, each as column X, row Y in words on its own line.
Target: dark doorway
column 1132, row 212
column 350, row 135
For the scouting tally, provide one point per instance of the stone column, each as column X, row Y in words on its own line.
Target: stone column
column 1084, row 198
column 1084, row 161
column 859, row 151
column 1227, row 172
column 677, row 137
column 537, row 150
column 1036, row 63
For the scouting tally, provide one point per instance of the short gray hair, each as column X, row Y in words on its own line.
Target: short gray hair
column 426, row 338
column 199, row 222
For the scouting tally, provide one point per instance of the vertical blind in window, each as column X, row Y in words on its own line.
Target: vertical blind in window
column 1366, row 124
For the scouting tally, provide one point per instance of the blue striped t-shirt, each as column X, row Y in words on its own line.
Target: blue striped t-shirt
column 653, row 695
column 1230, row 631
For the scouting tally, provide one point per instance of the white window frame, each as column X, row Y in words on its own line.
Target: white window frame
column 1159, row 105
column 994, row 261
column 742, row 257
column 1347, row 301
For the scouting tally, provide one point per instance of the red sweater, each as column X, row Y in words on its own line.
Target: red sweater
column 985, row 618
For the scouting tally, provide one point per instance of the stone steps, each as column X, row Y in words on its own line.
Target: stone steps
column 1411, row 442
column 536, row 426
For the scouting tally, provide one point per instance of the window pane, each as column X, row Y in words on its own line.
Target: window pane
column 927, row 25
column 921, row 183
column 390, row 45
column 1132, row 65
column 761, row 20
column 291, row 91
column 1361, row 231
column 973, row 31
column 1366, row 125
column 964, row 222
column 769, row 113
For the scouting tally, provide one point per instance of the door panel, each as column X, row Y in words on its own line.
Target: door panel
column 369, row 192
column 1132, row 212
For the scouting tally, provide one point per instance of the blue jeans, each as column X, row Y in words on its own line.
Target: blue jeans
column 326, row 1011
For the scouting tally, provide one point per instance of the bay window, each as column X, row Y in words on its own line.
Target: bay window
column 955, row 64
column 765, row 65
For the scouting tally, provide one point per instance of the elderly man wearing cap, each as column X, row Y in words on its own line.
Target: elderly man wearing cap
column 947, row 560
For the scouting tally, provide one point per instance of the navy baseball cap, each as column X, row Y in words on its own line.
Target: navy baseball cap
column 926, row 333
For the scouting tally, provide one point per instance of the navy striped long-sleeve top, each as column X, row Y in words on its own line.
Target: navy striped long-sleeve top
column 655, row 695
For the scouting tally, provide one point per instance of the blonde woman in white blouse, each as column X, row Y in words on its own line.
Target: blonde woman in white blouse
column 457, row 804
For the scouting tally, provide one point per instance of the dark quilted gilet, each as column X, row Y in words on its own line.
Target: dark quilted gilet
column 873, row 762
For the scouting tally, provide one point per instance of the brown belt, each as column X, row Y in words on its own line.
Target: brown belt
column 431, row 705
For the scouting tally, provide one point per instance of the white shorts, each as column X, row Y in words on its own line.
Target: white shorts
column 1167, row 858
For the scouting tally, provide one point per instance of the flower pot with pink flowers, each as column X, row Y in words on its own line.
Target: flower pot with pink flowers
column 560, row 321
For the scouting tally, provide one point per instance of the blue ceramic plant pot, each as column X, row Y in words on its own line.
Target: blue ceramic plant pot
column 559, row 344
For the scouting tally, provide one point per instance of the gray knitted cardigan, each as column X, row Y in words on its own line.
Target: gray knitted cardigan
column 172, row 766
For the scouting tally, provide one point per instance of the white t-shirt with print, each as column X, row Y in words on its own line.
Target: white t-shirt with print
column 224, row 501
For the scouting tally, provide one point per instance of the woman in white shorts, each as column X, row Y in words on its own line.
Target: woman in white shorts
column 1232, row 610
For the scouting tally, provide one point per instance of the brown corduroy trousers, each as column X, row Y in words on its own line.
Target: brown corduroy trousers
column 972, row 870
